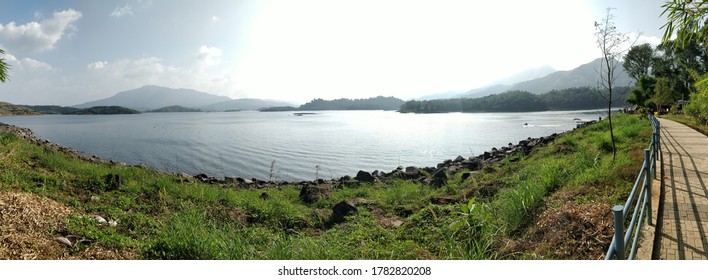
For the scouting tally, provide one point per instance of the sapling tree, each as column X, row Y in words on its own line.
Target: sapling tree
column 612, row 44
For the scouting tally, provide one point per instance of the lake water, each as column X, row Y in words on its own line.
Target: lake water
column 326, row 144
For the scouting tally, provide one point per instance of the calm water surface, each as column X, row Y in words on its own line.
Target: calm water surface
column 327, row 144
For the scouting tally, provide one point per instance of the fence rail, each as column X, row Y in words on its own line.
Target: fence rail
column 638, row 205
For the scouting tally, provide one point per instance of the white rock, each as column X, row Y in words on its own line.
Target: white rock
column 99, row 219
column 63, row 240
column 112, row 223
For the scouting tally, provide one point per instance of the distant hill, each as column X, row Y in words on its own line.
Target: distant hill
column 526, row 75
column 489, row 90
column 243, row 104
column 442, row 95
column 582, row 76
column 8, row 109
column 153, row 97
column 373, row 103
column 173, row 109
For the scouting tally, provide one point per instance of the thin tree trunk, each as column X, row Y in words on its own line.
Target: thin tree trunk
column 609, row 106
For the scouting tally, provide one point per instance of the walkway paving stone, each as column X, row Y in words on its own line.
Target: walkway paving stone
column 682, row 232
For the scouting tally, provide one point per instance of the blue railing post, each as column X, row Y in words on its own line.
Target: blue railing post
column 658, row 137
column 619, row 230
column 647, row 182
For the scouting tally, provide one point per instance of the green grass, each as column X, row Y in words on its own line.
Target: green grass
column 161, row 217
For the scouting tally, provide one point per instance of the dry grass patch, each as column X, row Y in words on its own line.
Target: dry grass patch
column 26, row 225
column 572, row 231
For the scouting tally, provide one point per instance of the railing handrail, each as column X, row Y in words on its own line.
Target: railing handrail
column 641, row 206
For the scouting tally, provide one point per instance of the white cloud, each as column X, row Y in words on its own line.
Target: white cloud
column 97, row 65
column 34, row 65
column 9, row 58
column 203, row 73
column 134, row 71
column 26, row 64
column 651, row 40
column 122, row 11
column 38, row 36
column 208, row 56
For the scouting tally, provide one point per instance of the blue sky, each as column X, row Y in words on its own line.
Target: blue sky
column 70, row 52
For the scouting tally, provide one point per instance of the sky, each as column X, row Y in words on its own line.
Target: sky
column 69, row 52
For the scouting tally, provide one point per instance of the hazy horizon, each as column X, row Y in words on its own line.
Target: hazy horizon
column 71, row 52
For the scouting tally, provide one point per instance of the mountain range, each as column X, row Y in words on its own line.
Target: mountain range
column 541, row 80
column 151, row 97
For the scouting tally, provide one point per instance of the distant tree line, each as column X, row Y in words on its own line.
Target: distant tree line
column 514, row 101
column 374, row 103
column 674, row 74
column 98, row 110
column 665, row 74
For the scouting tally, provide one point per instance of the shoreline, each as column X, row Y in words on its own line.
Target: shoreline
column 432, row 176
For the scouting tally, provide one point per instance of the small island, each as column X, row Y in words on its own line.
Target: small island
column 173, row 109
column 60, row 110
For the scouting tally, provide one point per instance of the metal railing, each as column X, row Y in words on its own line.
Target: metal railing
column 637, row 204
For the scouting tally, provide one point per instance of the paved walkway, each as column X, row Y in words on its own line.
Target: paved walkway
column 682, row 232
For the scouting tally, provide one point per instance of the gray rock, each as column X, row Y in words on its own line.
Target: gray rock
column 472, row 164
column 310, row 193
column 364, row 176
column 342, row 210
column 439, row 178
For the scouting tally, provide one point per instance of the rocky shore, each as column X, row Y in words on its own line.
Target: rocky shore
column 436, row 176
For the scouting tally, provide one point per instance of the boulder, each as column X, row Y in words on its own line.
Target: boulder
column 430, row 170
column 439, row 178
column 466, row 175
column 230, row 180
column 472, row 164
column 412, row 173
column 311, row 193
column 396, row 174
column 201, row 177
column 459, row 159
column 342, row 210
column 364, row 176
